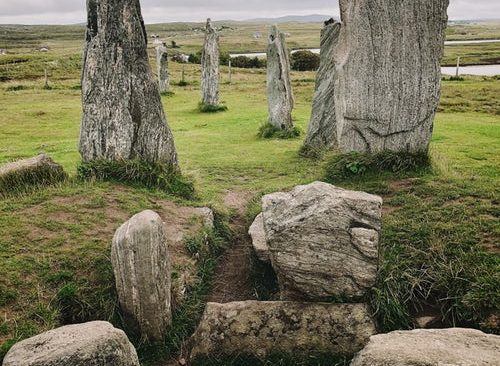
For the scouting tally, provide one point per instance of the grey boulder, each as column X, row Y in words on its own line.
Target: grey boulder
column 89, row 344
column 323, row 241
column 431, row 347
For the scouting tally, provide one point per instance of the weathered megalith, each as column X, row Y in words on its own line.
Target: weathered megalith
column 260, row 328
column 162, row 68
column 323, row 241
column 322, row 133
column 388, row 75
column 210, row 67
column 89, row 344
column 279, row 88
column 141, row 265
column 20, row 175
column 450, row 347
column 123, row 116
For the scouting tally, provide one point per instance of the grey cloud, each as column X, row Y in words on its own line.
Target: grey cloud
column 68, row 11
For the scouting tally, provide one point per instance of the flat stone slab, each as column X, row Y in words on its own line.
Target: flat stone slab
column 431, row 347
column 260, row 328
column 89, row 344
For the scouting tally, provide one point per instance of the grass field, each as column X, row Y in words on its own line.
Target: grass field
column 440, row 244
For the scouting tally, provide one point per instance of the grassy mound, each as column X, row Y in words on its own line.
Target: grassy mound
column 30, row 178
column 138, row 173
column 268, row 131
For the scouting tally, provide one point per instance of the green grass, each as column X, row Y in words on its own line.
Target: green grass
column 439, row 243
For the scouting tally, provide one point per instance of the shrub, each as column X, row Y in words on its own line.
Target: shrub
column 268, row 131
column 246, row 62
column 157, row 175
column 195, row 58
column 304, row 61
column 209, row 108
column 358, row 164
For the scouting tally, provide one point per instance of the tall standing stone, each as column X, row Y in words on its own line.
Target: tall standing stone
column 162, row 68
column 141, row 265
column 388, row 75
column 322, row 127
column 279, row 88
column 123, row 117
column 210, row 67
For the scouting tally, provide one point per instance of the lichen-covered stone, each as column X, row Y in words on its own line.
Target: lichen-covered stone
column 210, row 67
column 22, row 174
column 431, row 347
column 162, row 68
column 323, row 241
column 88, row 344
column 259, row 241
column 123, row 117
column 388, row 73
column 141, row 265
column 322, row 132
column 279, row 88
column 260, row 328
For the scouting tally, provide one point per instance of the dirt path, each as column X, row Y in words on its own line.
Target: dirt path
column 232, row 281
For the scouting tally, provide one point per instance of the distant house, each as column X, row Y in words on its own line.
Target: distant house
column 288, row 35
column 155, row 36
column 257, row 35
column 157, row 41
column 43, row 49
column 3, row 52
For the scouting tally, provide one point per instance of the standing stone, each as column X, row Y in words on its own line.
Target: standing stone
column 162, row 68
column 323, row 241
column 446, row 347
column 279, row 88
column 260, row 328
column 322, row 132
column 388, row 75
column 89, row 344
column 210, row 67
column 141, row 265
column 123, row 116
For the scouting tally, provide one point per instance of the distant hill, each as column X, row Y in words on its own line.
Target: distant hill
column 314, row 18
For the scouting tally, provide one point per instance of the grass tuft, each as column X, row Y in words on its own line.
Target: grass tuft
column 268, row 131
column 275, row 359
column 159, row 176
column 358, row 164
column 210, row 108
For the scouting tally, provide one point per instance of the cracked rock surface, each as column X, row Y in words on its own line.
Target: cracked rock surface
column 388, row 73
column 123, row 117
column 323, row 241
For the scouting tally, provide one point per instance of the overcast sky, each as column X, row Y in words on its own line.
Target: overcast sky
column 159, row 11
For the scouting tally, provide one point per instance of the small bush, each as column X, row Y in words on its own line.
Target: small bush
column 246, row 62
column 358, row 164
column 183, row 83
column 304, row 61
column 167, row 94
column 159, row 176
column 209, row 108
column 268, row 131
